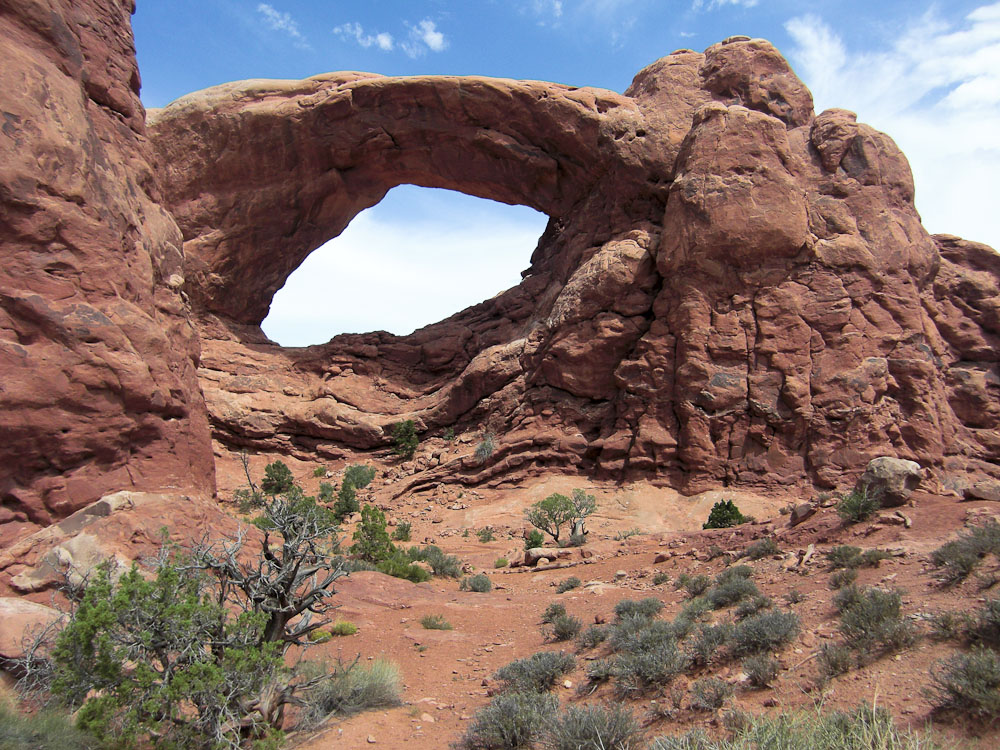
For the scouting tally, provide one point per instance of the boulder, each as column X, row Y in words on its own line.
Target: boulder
column 20, row 621
column 801, row 512
column 892, row 479
column 985, row 490
column 536, row 554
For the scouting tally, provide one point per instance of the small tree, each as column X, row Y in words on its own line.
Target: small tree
column 583, row 506
column 371, row 539
column 551, row 514
column 723, row 515
column 359, row 475
column 347, row 501
column 404, row 439
column 277, row 480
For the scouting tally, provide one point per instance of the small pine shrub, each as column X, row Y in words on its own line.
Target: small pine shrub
column 402, row 532
column 501, row 562
column 565, row 627
column 319, row 471
column 510, row 721
column 478, row 583
column 709, row 694
column 648, row 608
column 534, row 539
column 568, row 585
column 536, row 674
column 447, row 566
column 371, row 540
column 485, row 535
column 592, row 637
column 449, row 434
column 277, row 479
column 346, row 503
column 553, row 611
column 359, row 476
column 858, row 505
column 609, row 726
column 761, row 670
column 762, row 548
column 763, row 632
column 723, row 515
column 435, row 622
column 404, row 439
column 969, row 683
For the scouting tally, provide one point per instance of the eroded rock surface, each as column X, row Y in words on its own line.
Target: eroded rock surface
column 730, row 290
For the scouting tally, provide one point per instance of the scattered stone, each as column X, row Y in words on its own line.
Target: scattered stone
column 986, row 490
column 801, row 512
column 892, row 479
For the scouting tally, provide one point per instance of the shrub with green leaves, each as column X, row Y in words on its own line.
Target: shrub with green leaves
column 709, row 693
column 435, row 622
column 723, row 515
column 843, row 577
column 501, row 562
column 534, row 539
column 347, row 688
column 762, row 548
column 984, row 625
column 648, row 607
column 510, row 721
column 342, row 628
column 602, row 726
column 707, row 640
column 568, row 585
column 874, row 622
column 764, row 632
column 565, row 627
column 661, row 578
column 693, row 585
column 858, row 505
column 761, row 669
column 398, row 565
column 554, row 610
column 958, row 558
column 485, row 447
column 651, row 666
column 346, row 503
column 277, row 479
column 402, row 532
column 537, row 673
column 359, row 475
column 592, row 637
column 319, row 471
column 404, row 439
column 485, row 535
column 835, row 659
column 447, row 566
column 730, row 591
column 969, row 683
column 479, row 583
column 752, row 606
column 371, row 539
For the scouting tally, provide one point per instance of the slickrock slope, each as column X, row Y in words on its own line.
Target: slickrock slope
column 98, row 386
column 730, row 290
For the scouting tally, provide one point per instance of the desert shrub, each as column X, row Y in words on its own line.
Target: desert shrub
column 843, row 577
column 730, row 591
column 402, row 532
column 568, row 585
column 846, row 598
column 761, row 669
column 565, row 627
column 766, row 631
column 871, row 558
column 398, row 565
column 693, row 585
column 875, row 622
column 359, row 476
column 609, row 726
column 794, row 597
column 723, row 515
column 277, row 479
column 733, row 573
column 510, row 721
column 554, row 610
column 435, row 622
column 538, row 673
column 346, row 503
column 661, row 578
column 648, row 607
column 969, row 683
column 958, row 558
column 636, row 633
column 858, row 505
column 486, row 446
column 835, row 659
column 707, row 641
column 576, row 540
column 350, row 688
column 709, row 693
column 592, row 637
column 485, row 535
column 984, row 625
column 319, row 471
column 844, row 556
column 598, row 671
column 448, row 434
column 534, row 539
column 404, row 439
column 752, row 606
column 501, row 562
column 762, row 548
column 479, row 583
column 342, row 628
column 447, row 566
column 653, row 666
column 371, row 540
column 46, row 730
column 621, row 536
column 695, row 609
column 946, row 626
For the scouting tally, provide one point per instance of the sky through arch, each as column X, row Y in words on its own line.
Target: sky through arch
column 419, row 256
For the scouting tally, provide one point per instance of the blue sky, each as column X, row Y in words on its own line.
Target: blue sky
column 927, row 73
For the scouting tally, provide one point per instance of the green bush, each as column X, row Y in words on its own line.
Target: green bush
column 486, row 446
column 958, row 558
column 984, row 626
column 661, row 578
column 723, row 515
column 579, row 727
column 709, row 693
column 48, row 730
column 435, row 622
column 843, row 577
column 534, row 539
column 766, row 631
column 844, row 556
column 752, row 606
column 277, row 480
column 835, row 659
column 556, row 511
column 693, row 585
column 874, row 621
column 510, row 721
column 761, row 669
column 568, row 585
column 707, row 641
column 858, row 505
column 359, row 476
column 398, row 565
column 319, row 471
column 730, row 592
column 347, row 501
column 485, row 535
column 639, row 633
column 651, row 667
column 969, row 683
column 478, row 583
column 536, row 674
column 404, row 439
column 501, row 562
column 762, row 548
column 648, row 607
column 371, row 540
column 402, row 532
column 592, row 637
column 447, row 566
column 349, row 689
column 554, row 610
column 565, row 627
column 342, row 627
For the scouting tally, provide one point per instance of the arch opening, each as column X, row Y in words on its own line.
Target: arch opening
column 417, row 257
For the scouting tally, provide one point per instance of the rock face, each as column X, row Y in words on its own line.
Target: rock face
column 98, row 356
column 730, row 290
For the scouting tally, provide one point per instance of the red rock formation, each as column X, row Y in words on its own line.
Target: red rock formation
column 730, row 289
column 97, row 354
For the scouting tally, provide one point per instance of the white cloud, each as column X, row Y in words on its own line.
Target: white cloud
column 283, row 22
column 383, row 40
column 424, row 36
column 714, row 4
column 416, row 258
column 935, row 90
